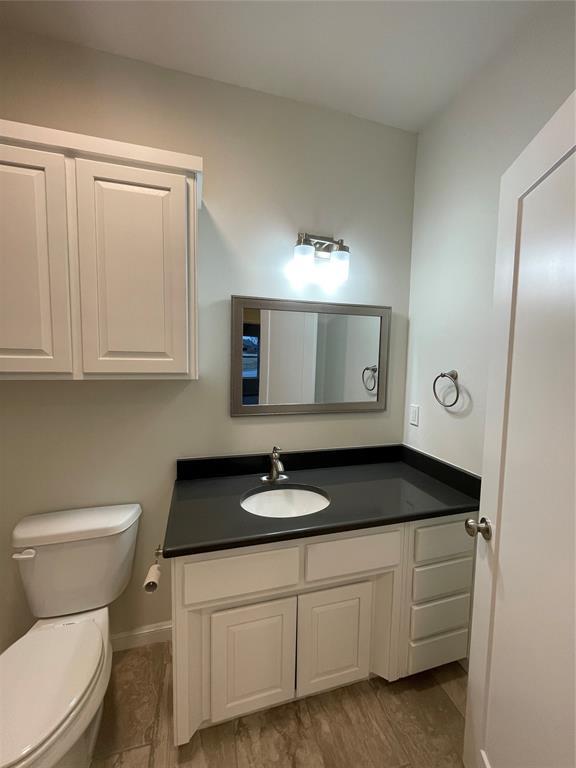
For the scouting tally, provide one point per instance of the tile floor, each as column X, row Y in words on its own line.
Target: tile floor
column 417, row 722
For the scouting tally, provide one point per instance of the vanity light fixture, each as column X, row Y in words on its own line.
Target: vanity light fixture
column 320, row 260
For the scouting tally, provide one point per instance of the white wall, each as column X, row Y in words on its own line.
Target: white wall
column 461, row 157
column 273, row 167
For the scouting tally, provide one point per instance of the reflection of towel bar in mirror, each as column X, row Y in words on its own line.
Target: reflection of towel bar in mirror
column 307, row 357
column 453, row 377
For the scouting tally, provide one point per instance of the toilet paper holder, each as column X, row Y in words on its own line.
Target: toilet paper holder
column 152, row 579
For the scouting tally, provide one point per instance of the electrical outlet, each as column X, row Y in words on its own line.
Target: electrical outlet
column 414, row 415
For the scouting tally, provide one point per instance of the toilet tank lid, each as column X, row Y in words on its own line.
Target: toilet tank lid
column 74, row 525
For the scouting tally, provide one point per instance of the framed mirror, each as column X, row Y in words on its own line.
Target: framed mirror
column 307, row 357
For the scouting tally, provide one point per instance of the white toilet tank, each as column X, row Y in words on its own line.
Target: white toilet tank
column 76, row 560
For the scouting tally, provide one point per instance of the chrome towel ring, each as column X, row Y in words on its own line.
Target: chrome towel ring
column 453, row 376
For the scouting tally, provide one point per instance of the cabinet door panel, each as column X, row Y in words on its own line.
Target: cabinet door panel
column 333, row 637
column 253, row 657
column 34, row 291
column 132, row 231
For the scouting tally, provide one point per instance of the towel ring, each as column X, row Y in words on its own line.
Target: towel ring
column 453, row 376
column 373, row 370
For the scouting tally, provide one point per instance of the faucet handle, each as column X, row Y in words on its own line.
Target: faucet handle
column 276, row 450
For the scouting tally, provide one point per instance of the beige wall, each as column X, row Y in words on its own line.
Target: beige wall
column 273, row 167
column 461, row 156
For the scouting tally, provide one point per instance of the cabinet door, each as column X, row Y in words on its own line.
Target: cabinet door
column 34, row 297
column 333, row 637
column 253, row 657
column 133, row 253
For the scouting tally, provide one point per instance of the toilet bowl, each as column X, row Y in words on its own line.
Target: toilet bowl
column 53, row 679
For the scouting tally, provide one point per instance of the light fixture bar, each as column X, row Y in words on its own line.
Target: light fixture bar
column 323, row 244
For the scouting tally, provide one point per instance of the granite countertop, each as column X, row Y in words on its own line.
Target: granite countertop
column 206, row 516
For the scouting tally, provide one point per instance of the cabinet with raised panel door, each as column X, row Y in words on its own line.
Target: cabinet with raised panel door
column 257, row 626
column 333, row 637
column 35, row 335
column 253, row 657
column 97, row 275
column 268, row 653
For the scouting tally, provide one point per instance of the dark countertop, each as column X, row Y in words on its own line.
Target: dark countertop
column 206, row 516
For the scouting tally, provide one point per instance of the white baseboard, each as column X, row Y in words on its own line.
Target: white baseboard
column 152, row 633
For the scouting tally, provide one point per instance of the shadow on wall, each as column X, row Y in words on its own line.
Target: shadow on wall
column 465, row 404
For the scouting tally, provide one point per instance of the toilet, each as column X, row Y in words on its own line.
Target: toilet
column 73, row 564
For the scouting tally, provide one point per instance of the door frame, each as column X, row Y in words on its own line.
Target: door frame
column 555, row 142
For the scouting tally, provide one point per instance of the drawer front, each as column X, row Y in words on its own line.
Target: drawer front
column 346, row 556
column 427, row 654
column 230, row 576
column 430, row 581
column 437, row 542
column 440, row 616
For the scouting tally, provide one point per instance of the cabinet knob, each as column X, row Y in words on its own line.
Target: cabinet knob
column 484, row 527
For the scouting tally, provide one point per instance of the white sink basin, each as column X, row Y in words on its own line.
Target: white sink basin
column 291, row 501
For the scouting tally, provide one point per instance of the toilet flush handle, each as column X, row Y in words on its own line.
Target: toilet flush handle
column 27, row 554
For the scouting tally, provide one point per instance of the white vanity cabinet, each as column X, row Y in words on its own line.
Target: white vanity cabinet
column 97, row 267
column 257, row 626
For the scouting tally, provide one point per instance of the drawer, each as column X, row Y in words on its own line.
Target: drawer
column 427, row 654
column 229, row 576
column 437, row 542
column 346, row 556
column 440, row 616
column 430, row 581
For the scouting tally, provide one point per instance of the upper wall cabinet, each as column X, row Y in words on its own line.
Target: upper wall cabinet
column 97, row 257
column 132, row 244
column 34, row 303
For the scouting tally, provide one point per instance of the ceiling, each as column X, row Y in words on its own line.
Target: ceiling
column 393, row 62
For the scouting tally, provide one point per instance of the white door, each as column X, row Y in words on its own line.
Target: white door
column 287, row 357
column 521, row 684
column 133, row 251
column 34, row 293
column 333, row 637
column 253, row 657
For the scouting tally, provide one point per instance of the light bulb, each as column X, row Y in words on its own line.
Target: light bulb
column 340, row 262
column 299, row 270
column 302, row 251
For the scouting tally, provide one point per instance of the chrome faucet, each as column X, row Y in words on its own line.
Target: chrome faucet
column 276, row 467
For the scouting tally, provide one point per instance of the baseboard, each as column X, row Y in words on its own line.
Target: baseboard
column 151, row 633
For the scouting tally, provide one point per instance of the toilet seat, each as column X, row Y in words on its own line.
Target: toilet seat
column 45, row 677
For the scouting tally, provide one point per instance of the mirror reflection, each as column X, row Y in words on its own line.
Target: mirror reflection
column 296, row 357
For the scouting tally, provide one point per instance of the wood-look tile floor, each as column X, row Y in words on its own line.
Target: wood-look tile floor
column 417, row 722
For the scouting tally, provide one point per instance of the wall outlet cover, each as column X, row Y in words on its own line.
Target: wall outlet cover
column 414, row 415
